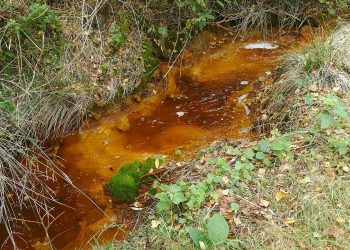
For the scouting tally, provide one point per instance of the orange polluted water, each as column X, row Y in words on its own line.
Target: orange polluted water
column 207, row 98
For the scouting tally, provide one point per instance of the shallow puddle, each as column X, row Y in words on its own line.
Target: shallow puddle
column 207, row 98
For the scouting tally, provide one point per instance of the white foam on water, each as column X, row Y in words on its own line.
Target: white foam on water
column 179, row 114
column 261, row 46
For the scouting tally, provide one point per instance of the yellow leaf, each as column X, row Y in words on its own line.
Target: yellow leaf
column 317, row 235
column 289, row 221
column 340, row 220
column 156, row 163
column 281, row 195
column 155, row 223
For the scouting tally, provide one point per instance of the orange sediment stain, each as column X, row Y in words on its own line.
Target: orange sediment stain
column 204, row 101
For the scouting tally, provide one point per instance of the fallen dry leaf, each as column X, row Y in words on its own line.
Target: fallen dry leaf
column 155, row 223
column 317, row 235
column 264, row 203
column 340, row 220
column 305, row 180
column 225, row 179
column 337, row 233
column 237, row 221
column 281, row 195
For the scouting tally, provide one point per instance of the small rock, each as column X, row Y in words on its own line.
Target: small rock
column 244, row 83
column 346, row 169
column 180, row 114
column 225, row 192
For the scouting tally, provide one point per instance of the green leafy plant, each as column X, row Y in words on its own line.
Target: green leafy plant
column 119, row 33
column 24, row 34
column 216, row 232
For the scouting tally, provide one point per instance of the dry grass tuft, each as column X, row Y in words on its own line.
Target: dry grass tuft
column 323, row 65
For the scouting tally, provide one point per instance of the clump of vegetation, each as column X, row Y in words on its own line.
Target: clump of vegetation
column 125, row 184
column 322, row 65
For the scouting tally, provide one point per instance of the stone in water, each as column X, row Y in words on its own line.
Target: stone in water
column 179, row 114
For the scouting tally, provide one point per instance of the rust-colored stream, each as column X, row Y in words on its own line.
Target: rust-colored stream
column 206, row 98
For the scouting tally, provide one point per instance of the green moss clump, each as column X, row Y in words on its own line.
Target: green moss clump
column 133, row 169
column 124, row 187
column 125, row 184
column 149, row 164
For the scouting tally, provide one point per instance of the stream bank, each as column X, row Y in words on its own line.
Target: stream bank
column 207, row 97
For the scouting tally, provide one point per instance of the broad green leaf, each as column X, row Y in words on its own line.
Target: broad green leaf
column 162, row 197
column 267, row 162
column 222, row 163
column 281, row 144
column 217, row 229
column 264, row 146
column 341, row 110
column 162, row 206
column 246, row 174
column 238, row 165
column 249, row 153
column 235, row 206
column 212, row 161
column 197, row 235
column 248, row 165
column 326, row 120
column 342, row 150
column 174, row 189
column 309, row 99
column 178, row 198
column 260, row 155
column 232, row 151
